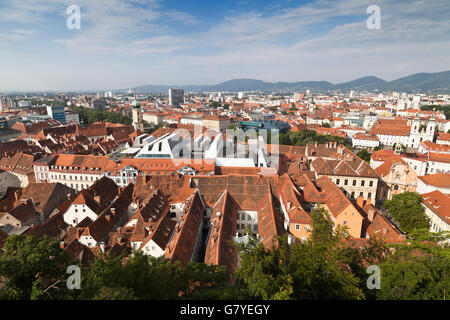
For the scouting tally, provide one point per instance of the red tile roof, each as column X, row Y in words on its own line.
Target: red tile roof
column 439, row 203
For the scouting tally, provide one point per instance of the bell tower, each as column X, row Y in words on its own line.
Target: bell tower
column 138, row 124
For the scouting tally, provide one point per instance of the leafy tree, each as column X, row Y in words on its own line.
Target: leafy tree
column 416, row 272
column 32, row 264
column 294, row 138
column 364, row 154
column 146, row 277
column 444, row 108
column 319, row 268
column 407, row 209
column 118, row 293
column 260, row 271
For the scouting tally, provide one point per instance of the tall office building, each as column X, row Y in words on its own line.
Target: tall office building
column 176, row 97
column 57, row 113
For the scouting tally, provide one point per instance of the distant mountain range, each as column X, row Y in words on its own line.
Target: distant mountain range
column 438, row 82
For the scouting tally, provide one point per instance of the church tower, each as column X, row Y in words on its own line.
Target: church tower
column 138, row 124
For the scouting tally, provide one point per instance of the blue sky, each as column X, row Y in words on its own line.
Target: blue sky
column 126, row 43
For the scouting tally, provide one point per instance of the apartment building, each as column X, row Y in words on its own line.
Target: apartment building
column 77, row 171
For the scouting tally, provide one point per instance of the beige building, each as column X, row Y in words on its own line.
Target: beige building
column 437, row 209
column 354, row 177
column 219, row 123
column 397, row 177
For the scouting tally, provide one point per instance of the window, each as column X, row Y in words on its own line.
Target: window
column 354, row 182
column 297, row 227
column 363, row 183
column 345, row 182
column 338, row 181
column 369, row 195
column 371, row 184
column 345, row 223
column 361, row 194
column 353, row 194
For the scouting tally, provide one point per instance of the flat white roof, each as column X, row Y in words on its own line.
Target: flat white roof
column 131, row 150
column 234, row 162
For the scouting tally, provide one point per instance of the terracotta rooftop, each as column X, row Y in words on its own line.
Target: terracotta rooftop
column 439, row 203
column 437, row 180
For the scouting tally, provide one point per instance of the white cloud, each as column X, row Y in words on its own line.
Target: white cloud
column 323, row 40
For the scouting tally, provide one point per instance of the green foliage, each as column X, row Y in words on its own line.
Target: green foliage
column 444, row 108
column 261, row 271
column 90, row 116
column 306, row 136
column 415, row 273
column 145, row 277
column 407, row 209
column 322, row 267
column 214, row 104
column 118, row 293
column 364, row 154
column 28, row 262
column 316, row 269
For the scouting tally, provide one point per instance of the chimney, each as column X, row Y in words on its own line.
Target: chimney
column 113, row 211
column 69, row 196
column 360, row 202
column 97, row 199
column 102, row 246
column 62, row 244
column 371, row 214
column 17, row 195
column 108, row 217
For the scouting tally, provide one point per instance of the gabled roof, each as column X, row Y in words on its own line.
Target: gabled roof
column 23, row 211
column 181, row 246
column 438, row 180
column 336, row 201
column 45, row 194
column 439, row 203
column 352, row 167
column 85, row 197
column 223, row 228
column 270, row 219
column 385, row 168
column 291, row 203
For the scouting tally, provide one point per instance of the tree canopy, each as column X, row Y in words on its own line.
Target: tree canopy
column 294, row 138
column 407, row 209
column 89, row 116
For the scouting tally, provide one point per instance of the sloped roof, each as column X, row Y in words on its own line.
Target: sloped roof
column 181, row 246
column 223, row 228
column 438, row 180
column 270, row 219
column 439, row 203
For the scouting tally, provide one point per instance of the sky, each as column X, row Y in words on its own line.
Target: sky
column 127, row 43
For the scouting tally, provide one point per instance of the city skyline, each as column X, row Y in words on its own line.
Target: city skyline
column 202, row 43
